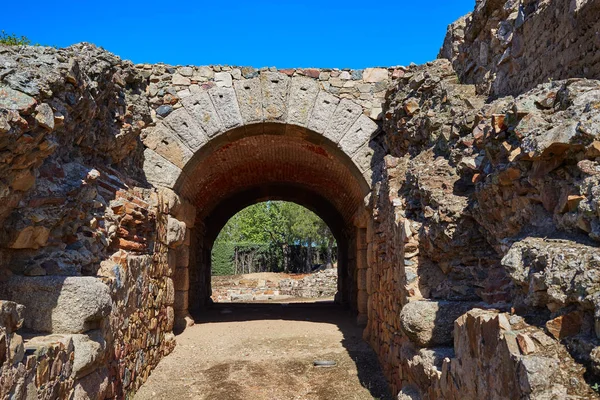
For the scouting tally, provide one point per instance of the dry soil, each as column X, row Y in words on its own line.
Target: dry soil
column 266, row 351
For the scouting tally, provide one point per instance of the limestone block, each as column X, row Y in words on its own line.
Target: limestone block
column 90, row 353
column 226, row 104
column 274, row 95
column 161, row 140
column 201, row 108
column 186, row 129
column 373, row 75
column 431, row 323
column 223, row 79
column 249, row 96
column 358, row 134
column 303, row 93
column 345, row 115
column 159, row 171
column 59, row 304
column 11, row 315
column 175, row 232
column 325, row 106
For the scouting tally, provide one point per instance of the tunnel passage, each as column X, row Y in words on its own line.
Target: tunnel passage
column 267, row 137
column 272, row 162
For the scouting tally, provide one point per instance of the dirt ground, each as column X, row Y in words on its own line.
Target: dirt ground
column 266, row 351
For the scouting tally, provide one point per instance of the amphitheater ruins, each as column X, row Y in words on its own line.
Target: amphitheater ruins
column 464, row 195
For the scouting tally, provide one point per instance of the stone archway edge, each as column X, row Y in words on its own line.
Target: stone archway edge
column 202, row 111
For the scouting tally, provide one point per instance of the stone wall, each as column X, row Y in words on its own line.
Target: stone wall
column 508, row 47
column 488, row 205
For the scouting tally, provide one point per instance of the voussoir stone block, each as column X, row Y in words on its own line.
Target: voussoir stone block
column 431, row 323
column 226, row 104
column 274, row 95
column 59, row 304
column 165, row 143
column 201, row 108
column 325, row 105
column 159, row 171
column 303, row 93
column 358, row 134
column 186, row 129
column 249, row 96
column 345, row 115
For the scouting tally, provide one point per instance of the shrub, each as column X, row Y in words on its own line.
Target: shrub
column 13, row 40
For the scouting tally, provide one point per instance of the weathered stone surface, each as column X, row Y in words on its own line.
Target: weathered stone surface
column 200, row 106
column 372, row 75
column 431, row 323
column 60, row 304
column 45, row 116
column 226, row 104
column 345, row 115
column 249, row 96
column 274, row 95
column 14, row 100
column 90, row 353
column 11, row 315
column 325, row 106
column 167, row 145
column 175, row 232
column 186, row 129
column 303, row 93
column 358, row 134
column 159, row 171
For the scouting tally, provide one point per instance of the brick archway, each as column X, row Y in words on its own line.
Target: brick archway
column 268, row 137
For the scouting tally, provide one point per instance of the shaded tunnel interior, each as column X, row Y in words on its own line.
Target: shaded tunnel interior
column 263, row 162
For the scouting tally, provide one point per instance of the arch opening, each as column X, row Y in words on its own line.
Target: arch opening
column 268, row 162
column 274, row 251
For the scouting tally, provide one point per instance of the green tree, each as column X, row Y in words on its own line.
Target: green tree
column 266, row 232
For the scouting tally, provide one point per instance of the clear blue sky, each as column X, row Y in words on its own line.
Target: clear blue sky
column 281, row 33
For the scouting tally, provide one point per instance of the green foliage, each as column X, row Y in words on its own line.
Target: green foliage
column 13, row 40
column 260, row 238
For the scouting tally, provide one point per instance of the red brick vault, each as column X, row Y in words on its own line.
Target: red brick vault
column 268, row 135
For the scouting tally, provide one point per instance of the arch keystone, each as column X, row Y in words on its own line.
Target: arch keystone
column 274, row 95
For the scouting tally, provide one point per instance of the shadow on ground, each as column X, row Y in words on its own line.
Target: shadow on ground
column 369, row 371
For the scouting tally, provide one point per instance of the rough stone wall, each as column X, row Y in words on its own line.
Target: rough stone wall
column 85, row 245
column 508, row 47
column 493, row 206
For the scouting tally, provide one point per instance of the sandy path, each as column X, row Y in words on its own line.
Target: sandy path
column 266, row 351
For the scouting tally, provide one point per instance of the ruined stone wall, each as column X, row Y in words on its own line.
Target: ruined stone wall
column 85, row 242
column 484, row 210
column 508, row 47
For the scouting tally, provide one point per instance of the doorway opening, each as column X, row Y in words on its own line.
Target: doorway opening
column 274, row 251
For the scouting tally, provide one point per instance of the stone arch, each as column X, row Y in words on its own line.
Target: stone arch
column 270, row 136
